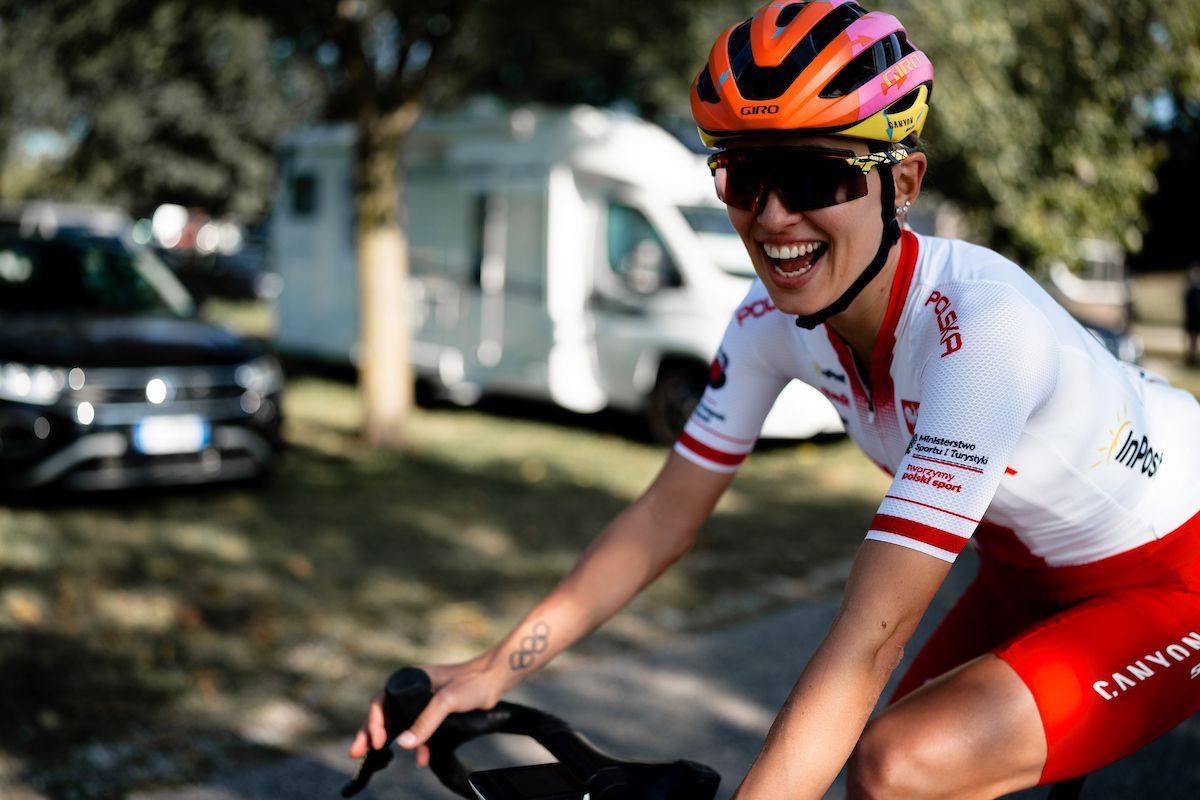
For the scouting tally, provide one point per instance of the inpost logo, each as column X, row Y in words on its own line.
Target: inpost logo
column 1126, row 448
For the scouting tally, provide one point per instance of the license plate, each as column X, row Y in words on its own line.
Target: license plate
column 185, row 433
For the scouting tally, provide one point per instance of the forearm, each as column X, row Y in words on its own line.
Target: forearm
column 887, row 592
column 629, row 553
column 815, row 732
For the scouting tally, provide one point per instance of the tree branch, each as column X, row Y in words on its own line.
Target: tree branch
column 402, row 89
column 360, row 73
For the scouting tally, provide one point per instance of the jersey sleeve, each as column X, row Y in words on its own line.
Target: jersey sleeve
column 742, row 388
column 992, row 361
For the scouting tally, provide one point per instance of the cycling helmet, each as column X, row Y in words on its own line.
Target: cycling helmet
column 813, row 66
column 825, row 67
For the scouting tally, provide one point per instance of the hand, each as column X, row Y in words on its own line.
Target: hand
column 458, row 687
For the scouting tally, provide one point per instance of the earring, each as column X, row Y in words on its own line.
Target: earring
column 902, row 210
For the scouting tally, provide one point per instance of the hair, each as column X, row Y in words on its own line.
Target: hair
column 913, row 143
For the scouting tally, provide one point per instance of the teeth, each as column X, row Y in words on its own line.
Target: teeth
column 795, row 273
column 790, row 251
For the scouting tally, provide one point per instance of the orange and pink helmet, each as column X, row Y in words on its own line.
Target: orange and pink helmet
column 813, row 66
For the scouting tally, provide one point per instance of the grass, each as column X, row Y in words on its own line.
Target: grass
column 228, row 620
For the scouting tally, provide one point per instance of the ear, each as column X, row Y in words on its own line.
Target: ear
column 908, row 175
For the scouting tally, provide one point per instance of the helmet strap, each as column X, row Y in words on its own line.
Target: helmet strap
column 891, row 235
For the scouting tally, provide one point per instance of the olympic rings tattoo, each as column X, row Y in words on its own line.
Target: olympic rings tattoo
column 531, row 646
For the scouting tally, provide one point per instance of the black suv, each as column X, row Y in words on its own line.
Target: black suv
column 107, row 379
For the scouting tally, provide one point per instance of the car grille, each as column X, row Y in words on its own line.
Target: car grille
column 121, row 396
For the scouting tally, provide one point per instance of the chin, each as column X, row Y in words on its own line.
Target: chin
column 800, row 302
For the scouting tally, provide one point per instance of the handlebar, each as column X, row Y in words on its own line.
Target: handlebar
column 602, row 776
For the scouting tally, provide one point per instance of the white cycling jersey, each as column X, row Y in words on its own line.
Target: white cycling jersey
column 995, row 411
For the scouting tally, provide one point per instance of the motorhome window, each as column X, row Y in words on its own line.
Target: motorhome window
column 304, row 194
column 636, row 252
column 720, row 240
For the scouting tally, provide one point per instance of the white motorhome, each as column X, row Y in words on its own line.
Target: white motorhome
column 578, row 256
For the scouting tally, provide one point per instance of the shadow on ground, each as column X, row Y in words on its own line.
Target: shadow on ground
column 147, row 638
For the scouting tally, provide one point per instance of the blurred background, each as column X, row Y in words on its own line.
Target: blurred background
column 239, row 240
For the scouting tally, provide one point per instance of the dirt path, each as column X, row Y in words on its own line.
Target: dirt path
column 716, row 693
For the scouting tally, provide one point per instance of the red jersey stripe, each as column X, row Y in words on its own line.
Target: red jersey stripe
column 926, row 505
column 949, row 464
column 718, row 434
column 943, row 540
column 711, row 453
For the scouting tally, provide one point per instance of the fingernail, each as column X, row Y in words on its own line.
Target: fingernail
column 407, row 739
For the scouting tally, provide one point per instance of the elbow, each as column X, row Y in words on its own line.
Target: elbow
column 889, row 657
column 681, row 542
column 880, row 639
column 673, row 533
column 669, row 547
column 888, row 652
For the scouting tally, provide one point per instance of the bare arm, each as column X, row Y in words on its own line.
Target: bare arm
column 633, row 550
column 887, row 593
column 647, row 537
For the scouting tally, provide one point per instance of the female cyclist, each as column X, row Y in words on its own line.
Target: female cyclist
column 1001, row 419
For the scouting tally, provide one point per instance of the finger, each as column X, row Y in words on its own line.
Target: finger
column 358, row 748
column 422, row 756
column 377, row 724
column 426, row 724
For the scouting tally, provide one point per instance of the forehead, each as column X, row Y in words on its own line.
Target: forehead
column 777, row 140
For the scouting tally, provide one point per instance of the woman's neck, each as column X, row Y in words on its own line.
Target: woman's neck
column 860, row 323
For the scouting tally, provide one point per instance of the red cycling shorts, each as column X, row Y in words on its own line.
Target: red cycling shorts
column 1110, row 650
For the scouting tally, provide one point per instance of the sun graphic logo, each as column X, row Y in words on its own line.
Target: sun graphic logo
column 1106, row 452
column 1128, row 449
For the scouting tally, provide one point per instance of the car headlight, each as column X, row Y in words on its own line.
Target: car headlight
column 25, row 383
column 262, row 376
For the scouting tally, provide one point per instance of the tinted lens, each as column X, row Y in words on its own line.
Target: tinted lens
column 804, row 179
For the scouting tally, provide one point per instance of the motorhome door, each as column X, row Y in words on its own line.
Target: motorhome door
column 478, row 259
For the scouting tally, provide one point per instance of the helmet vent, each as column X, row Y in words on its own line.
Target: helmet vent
column 904, row 103
column 868, row 64
column 705, row 88
column 789, row 14
column 767, row 83
column 740, row 56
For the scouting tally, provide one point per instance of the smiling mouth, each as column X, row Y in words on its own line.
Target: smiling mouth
column 792, row 261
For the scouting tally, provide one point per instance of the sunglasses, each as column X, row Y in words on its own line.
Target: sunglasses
column 805, row 177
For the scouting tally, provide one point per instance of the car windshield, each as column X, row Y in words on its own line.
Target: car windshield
column 720, row 240
column 91, row 274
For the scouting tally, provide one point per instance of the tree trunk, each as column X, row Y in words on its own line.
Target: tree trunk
column 385, row 371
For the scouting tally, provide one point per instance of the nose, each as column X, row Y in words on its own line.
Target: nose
column 773, row 213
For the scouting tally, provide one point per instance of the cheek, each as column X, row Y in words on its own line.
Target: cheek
column 743, row 223
column 855, row 224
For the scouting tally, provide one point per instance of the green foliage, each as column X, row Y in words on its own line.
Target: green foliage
column 1041, row 131
column 599, row 52
column 1040, row 128
column 164, row 101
